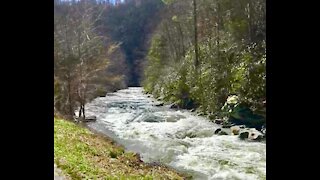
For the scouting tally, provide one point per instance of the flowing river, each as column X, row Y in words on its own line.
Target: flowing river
column 176, row 138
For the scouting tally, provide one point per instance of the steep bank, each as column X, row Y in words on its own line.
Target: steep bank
column 83, row 155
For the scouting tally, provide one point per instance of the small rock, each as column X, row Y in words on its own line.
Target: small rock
column 235, row 130
column 263, row 129
column 217, row 131
column 244, row 135
column 227, row 126
column 174, row 106
column 242, row 126
column 160, row 104
column 91, row 118
column 222, row 133
column 80, row 119
column 190, row 135
column 75, row 118
column 218, row 121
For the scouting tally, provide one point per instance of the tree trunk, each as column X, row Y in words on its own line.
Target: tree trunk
column 83, row 111
column 250, row 22
column 71, row 112
column 196, row 63
column 80, row 111
column 218, row 32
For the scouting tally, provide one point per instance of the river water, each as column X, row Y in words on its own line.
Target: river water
column 176, row 138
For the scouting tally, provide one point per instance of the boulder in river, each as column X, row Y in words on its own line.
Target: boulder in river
column 174, row 106
column 217, row 131
column 242, row 126
column 159, row 104
column 227, row 125
column 263, row 129
column 255, row 135
column 218, row 121
column 244, row 135
column 235, row 130
column 191, row 135
column 242, row 115
column 182, row 135
column 222, row 133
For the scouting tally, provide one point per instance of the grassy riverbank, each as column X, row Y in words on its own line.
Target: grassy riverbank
column 83, row 155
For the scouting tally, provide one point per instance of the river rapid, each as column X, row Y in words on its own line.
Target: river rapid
column 176, row 138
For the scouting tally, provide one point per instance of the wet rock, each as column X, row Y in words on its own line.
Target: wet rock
column 244, row 135
column 190, row 135
column 227, row 125
column 87, row 119
column 159, row 104
column 263, row 129
column 91, row 118
column 235, row 130
column 242, row 126
column 222, row 133
column 242, row 115
column 217, row 131
column 152, row 119
column 259, row 138
column 174, row 106
column 218, row 121
column 182, row 135
column 255, row 135
column 75, row 118
column 78, row 119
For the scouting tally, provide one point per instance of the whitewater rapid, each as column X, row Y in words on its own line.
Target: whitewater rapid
column 176, row 138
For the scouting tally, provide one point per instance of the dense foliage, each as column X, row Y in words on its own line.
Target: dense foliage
column 205, row 51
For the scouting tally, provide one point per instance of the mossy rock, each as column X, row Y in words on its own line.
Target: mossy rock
column 222, row 133
column 242, row 115
column 244, row 135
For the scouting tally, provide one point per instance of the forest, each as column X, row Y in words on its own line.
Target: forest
column 195, row 53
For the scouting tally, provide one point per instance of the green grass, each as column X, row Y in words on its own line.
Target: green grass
column 80, row 154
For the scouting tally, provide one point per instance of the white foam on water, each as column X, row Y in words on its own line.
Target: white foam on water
column 177, row 138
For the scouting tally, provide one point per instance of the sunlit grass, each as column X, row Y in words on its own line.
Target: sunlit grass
column 83, row 155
